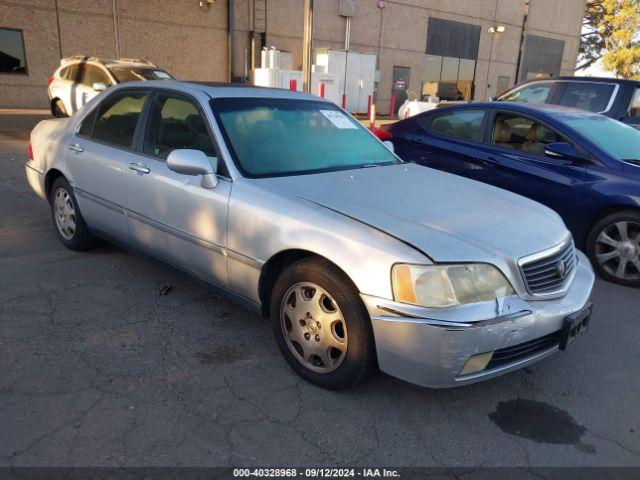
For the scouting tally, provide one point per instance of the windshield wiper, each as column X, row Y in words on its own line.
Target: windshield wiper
column 370, row 165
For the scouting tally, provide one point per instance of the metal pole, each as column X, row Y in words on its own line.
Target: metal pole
column 116, row 30
column 522, row 42
column 307, row 40
column 58, row 24
column 230, row 37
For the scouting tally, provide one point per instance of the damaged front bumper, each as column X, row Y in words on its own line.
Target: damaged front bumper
column 433, row 347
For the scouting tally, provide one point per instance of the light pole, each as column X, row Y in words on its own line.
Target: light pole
column 307, row 40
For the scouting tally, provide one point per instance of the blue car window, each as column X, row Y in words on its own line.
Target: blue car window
column 522, row 133
column 617, row 139
column 459, row 124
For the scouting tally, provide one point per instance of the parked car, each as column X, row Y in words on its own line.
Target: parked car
column 583, row 165
column 78, row 79
column 613, row 97
column 286, row 203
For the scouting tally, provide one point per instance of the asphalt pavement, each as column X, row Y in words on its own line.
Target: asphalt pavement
column 107, row 358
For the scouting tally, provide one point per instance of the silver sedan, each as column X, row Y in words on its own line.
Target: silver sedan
column 284, row 202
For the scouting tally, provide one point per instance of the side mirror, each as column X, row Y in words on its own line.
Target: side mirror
column 390, row 146
column 99, row 86
column 564, row 151
column 193, row 162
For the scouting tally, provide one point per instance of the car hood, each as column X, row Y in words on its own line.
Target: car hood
column 447, row 217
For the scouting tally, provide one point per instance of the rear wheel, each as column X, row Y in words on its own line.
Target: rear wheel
column 70, row 226
column 321, row 326
column 57, row 109
column 614, row 247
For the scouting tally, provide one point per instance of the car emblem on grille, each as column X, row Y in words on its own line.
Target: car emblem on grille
column 561, row 269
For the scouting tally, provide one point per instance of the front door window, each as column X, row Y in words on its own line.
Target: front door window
column 522, row 133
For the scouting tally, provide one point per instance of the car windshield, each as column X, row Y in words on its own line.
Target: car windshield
column 275, row 137
column 617, row 139
column 129, row 74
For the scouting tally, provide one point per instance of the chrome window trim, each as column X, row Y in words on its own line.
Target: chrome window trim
column 614, row 95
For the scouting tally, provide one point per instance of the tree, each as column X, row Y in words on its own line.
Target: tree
column 610, row 33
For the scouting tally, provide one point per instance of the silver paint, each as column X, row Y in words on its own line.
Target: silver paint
column 363, row 220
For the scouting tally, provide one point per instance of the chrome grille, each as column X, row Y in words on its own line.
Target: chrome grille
column 551, row 272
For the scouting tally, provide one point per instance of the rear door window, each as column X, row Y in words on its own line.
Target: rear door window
column 72, row 73
column 461, row 125
column 594, row 97
column 118, row 117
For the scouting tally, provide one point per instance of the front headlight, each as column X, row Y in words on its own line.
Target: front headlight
column 437, row 286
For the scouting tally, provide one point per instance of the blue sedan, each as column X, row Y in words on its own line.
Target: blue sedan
column 583, row 165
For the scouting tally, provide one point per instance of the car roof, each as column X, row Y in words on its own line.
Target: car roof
column 540, row 108
column 225, row 90
column 121, row 63
column 582, row 79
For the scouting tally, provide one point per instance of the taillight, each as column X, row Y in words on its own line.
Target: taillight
column 50, row 79
column 383, row 134
column 30, row 151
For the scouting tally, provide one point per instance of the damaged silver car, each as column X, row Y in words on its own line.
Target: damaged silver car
column 284, row 202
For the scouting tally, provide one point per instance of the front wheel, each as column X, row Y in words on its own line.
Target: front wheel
column 614, row 248
column 70, row 226
column 321, row 325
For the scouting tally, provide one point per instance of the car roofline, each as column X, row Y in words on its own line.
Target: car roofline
column 224, row 90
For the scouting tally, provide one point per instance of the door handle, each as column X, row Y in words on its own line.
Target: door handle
column 139, row 167
column 76, row 147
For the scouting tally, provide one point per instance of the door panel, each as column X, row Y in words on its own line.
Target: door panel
column 174, row 217
column 98, row 176
column 515, row 161
column 98, row 158
column 448, row 141
column 400, row 85
column 170, row 214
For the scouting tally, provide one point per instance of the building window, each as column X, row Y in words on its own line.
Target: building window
column 542, row 58
column 12, row 55
column 452, row 51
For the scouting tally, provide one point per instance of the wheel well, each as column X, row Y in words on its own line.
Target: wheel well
column 609, row 210
column 276, row 264
column 600, row 214
column 51, row 177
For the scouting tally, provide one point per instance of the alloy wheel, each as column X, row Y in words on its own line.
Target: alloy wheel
column 313, row 327
column 65, row 213
column 617, row 250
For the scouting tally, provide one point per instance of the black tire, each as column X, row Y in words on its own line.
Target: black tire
column 79, row 238
column 57, row 109
column 359, row 359
column 593, row 249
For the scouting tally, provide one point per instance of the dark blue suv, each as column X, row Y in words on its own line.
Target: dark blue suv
column 583, row 165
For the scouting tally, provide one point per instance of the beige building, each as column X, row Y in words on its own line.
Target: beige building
column 451, row 48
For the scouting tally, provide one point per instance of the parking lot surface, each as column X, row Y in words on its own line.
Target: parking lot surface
column 107, row 358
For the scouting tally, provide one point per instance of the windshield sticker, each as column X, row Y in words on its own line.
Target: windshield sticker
column 338, row 119
column 161, row 74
